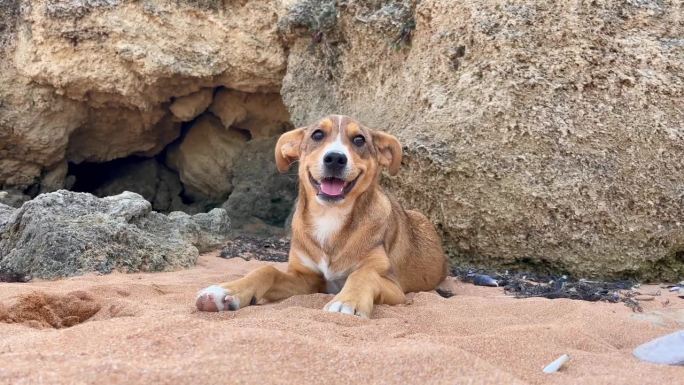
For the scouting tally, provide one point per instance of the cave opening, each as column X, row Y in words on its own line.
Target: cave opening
column 222, row 156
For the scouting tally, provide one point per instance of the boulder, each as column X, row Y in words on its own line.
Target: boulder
column 205, row 157
column 262, row 114
column 54, row 178
column 147, row 177
column 537, row 135
column 206, row 231
column 188, row 107
column 65, row 233
column 259, row 190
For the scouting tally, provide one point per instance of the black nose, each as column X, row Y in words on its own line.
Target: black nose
column 335, row 161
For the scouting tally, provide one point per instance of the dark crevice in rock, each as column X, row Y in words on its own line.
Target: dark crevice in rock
column 222, row 157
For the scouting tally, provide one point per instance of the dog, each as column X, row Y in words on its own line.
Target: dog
column 349, row 237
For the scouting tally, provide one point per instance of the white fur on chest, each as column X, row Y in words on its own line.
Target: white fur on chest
column 334, row 280
column 322, row 267
column 327, row 225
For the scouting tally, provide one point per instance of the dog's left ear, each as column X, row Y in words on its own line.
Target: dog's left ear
column 289, row 148
column 389, row 151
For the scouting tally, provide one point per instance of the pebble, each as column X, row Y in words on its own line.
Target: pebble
column 484, row 280
column 668, row 350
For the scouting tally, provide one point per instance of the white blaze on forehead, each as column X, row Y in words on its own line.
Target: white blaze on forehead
column 338, row 145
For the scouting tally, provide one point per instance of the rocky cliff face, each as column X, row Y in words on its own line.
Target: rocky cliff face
column 544, row 135
column 84, row 83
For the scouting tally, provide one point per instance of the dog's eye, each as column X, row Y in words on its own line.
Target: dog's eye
column 359, row 140
column 317, row 135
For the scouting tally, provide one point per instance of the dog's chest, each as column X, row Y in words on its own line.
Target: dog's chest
column 327, row 225
column 334, row 279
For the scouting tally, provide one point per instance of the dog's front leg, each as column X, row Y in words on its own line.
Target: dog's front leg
column 367, row 285
column 265, row 283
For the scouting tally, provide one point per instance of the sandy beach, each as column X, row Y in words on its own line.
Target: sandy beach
column 143, row 328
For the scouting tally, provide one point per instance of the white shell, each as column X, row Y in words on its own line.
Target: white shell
column 557, row 364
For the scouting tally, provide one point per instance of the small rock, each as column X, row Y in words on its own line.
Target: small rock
column 484, row 280
column 668, row 350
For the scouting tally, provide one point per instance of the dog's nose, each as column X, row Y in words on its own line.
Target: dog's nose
column 335, row 161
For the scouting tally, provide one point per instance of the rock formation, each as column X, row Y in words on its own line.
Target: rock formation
column 537, row 135
column 65, row 233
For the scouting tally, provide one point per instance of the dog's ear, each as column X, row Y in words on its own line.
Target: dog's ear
column 389, row 151
column 289, row 148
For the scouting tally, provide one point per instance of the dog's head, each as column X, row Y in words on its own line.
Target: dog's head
column 339, row 158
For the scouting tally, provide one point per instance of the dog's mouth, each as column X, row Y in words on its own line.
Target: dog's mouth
column 331, row 188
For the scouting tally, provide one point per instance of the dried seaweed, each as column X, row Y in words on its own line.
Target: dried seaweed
column 262, row 249
column 527, row 285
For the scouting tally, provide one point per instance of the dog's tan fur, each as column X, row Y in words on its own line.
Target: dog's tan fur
column 367, row 241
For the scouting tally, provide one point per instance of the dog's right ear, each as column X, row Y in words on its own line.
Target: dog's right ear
column 289, row 148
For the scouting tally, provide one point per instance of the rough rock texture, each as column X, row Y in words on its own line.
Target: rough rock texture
column 205, row 157
column 13, row 198
column 141, row 53
column 112, row 133
column 149, row 178
column 188, row 107
column 204, row 230
column 5, row 213
column 93, row 80
column 66, row 233
column 263, row 115
column 259, row 191
column 539, row 134
column 543, row 134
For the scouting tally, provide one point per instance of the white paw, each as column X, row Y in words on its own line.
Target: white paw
column 344, row 308
column 216, row 298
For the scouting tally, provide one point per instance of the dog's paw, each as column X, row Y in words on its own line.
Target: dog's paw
column 216, row 298
column 336, row 306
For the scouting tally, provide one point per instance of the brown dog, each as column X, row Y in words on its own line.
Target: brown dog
column 349, row 238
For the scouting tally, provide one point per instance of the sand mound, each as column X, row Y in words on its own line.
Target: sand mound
column 40, row 309
column 142, row 328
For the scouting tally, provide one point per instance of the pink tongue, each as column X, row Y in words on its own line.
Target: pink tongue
column 332, row 186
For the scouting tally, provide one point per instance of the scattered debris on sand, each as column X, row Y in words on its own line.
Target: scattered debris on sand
column 262, row 249
column 526, row 285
